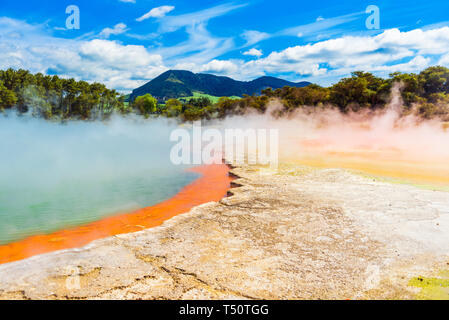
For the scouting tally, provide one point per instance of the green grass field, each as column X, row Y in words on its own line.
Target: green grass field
column 196, row 95
column 213, row 99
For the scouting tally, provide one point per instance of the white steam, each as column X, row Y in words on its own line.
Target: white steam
column 55, row 175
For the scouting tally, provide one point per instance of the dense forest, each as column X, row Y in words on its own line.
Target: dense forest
column 426, row 94
column 52, row 97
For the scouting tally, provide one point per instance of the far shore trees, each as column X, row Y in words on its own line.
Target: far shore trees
column 7, row 97
column 54, row 97
column 173, row 108
column 425, row 94
column 146, row 105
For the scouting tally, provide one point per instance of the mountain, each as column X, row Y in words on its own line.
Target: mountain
column 181, row 83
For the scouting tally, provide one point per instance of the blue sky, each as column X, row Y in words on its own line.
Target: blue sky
column 125, row 43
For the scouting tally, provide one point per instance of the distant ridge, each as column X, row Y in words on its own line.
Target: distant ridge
column 181, row 83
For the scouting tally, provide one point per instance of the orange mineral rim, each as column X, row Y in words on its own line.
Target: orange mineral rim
column 212, row 185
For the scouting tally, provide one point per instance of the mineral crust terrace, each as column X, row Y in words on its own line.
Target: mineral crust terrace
column 297, row 233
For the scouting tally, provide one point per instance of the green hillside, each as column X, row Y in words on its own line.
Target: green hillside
column 185, row 84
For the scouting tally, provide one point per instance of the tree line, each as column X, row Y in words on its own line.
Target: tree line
column 425, row 93
column 54, row 97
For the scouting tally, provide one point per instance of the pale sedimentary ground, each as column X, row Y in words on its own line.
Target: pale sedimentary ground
column 293, row 234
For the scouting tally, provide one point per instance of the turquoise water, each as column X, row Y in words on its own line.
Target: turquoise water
column 54, row 176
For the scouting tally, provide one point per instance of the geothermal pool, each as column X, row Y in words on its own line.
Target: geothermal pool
column 65, row 185
column 56, row 176
column 29, row 210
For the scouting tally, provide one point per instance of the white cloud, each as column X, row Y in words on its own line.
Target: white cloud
column 391, row 50
column 201, row 47
column 128, row 1
column 173, row 23
column 254, row 36
column 219, row 66
column 319, row 26
column 125, row 67
column 323, row 61
column 158, row 12
column 118, row 29
column 253, row 52
column 120, row 56
column 31, row 47
column 444, row 61
column 418, row 63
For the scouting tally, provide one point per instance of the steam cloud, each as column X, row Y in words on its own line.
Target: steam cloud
column 55, row 175
column 384, row 142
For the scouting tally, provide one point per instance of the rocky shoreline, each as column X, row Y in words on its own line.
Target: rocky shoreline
column 298, row 233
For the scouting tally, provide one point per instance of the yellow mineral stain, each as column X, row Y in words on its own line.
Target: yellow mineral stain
column 431, row 288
